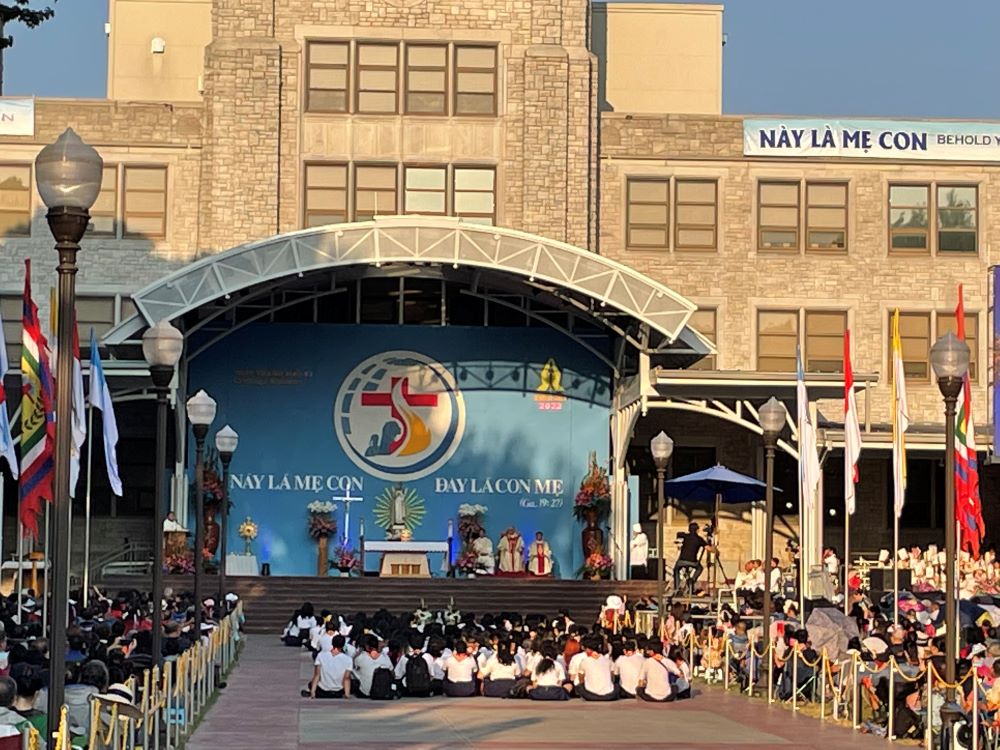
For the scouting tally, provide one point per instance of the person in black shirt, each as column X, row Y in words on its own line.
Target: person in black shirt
column 691, row 547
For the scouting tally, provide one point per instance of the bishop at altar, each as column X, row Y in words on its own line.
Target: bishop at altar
column 540, row 556
column 510, row 552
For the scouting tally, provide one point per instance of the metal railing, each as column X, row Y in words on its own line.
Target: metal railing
column 169, row 702
column 131, row 555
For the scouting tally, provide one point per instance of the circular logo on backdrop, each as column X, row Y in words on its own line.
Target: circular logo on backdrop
column 399, row 415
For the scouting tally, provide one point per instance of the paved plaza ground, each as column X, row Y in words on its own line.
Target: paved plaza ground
column 261, row 710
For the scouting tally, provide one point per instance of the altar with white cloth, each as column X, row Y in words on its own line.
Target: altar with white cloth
column 406, row 559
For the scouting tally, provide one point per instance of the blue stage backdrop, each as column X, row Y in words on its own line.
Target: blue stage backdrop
column 502, row 417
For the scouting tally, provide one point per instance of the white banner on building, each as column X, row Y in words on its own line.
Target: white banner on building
column 17, row 116
column 872, row 139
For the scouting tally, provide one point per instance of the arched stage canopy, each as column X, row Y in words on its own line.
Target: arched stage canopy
column 643, row 312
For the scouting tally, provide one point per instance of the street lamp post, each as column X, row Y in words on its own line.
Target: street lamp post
column 68, row 174
column 950, row 360
column 161, row 346
column 226, row 441
column 201, row 413
column 662, row 447
column 772, row 419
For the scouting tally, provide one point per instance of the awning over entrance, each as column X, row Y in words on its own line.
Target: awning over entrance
column 642, row 311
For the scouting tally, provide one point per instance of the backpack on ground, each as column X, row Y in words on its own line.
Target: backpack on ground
column 383, row 685
column 418, row 676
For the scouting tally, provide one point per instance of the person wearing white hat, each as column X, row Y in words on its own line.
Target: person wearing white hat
column 639, row 552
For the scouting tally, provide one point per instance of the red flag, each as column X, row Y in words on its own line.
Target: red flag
column 968, row 508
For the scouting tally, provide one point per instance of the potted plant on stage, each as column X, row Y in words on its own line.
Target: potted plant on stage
column 345, row 560
column 321, row 527
column 593, row 506
column 596, row 566
column 248, row 532
column 211, row 502
column 466, row 563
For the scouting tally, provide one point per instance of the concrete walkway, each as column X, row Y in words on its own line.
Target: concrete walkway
column 261, row 710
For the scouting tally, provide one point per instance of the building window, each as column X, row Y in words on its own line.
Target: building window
column 95, row 312
column 824, row 349
column 475, row 80
column 695, row 215
column 647, row 215
column 826, row 216
column 915, row 340
column 908, row 209
column 956, row 212
column 15, row 200
column 374, row 192
column 378, row 78
column 103, row 221
column 426, row 79
column 326, row 194
column 326, row 76
column 946, row 324
column 777, row 339
column 956, row 208
column 12, row 310
column 705, row 321
column 425, row 191
column 778, row 215
column 475, row 194
column 145, row 212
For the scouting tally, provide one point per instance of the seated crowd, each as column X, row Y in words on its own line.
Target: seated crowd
column 108, row 642
column 505, row 656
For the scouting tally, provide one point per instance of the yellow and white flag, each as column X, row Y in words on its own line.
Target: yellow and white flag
column 900, row 418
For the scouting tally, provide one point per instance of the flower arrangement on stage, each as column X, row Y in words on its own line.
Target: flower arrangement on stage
column 321, row 506
column 321, row 524
column 182, row 562
column 466, row 562
column 345, row 559
column 597, row 565
column 593, row 499
column 470, row 521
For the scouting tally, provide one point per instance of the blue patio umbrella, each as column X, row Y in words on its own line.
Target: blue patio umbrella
column 717, row 484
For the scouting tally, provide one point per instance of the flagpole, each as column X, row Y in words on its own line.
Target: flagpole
column 45, row 571
column 847, row 561
column 895, row 567
column 20, row 568
column 86, row 506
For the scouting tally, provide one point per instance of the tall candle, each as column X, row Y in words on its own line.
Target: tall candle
column 451, row 528
column 361, row 530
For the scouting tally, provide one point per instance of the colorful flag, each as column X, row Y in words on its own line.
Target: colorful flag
column 968, row 507
column 79, row 417
column 38, row 420
column 809, row 470
column 900, row 419
column 852, row 429
column 6, row 441
column 100, row 398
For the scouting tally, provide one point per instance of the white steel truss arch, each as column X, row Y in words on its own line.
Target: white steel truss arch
column 607, row 287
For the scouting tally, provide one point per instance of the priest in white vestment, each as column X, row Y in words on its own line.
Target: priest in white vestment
column 510, row 552
column 485, row 561
column 540, row 556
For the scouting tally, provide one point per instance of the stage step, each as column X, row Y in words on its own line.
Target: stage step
column 270, row 601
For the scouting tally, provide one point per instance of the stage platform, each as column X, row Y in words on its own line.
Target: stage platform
column 270, row 601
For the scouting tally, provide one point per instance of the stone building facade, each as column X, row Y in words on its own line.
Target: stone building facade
column 530, row 115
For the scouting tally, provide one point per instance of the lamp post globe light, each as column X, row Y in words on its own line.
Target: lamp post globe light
column 162, row 345
column 950, row 360
column 662, row 448
column 200, row 413
column 68, row 176
column 226, row 441
column 772, row 416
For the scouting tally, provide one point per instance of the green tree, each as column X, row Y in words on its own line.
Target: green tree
column 20, row 11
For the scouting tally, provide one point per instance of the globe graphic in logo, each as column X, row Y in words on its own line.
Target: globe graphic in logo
column 399, row 415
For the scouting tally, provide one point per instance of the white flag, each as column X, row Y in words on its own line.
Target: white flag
column 900, row 419
column 79, row 417
column 100, row 398
column 809, row 470
column 6, row 441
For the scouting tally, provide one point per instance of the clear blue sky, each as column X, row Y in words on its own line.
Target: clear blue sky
column 903, row 58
